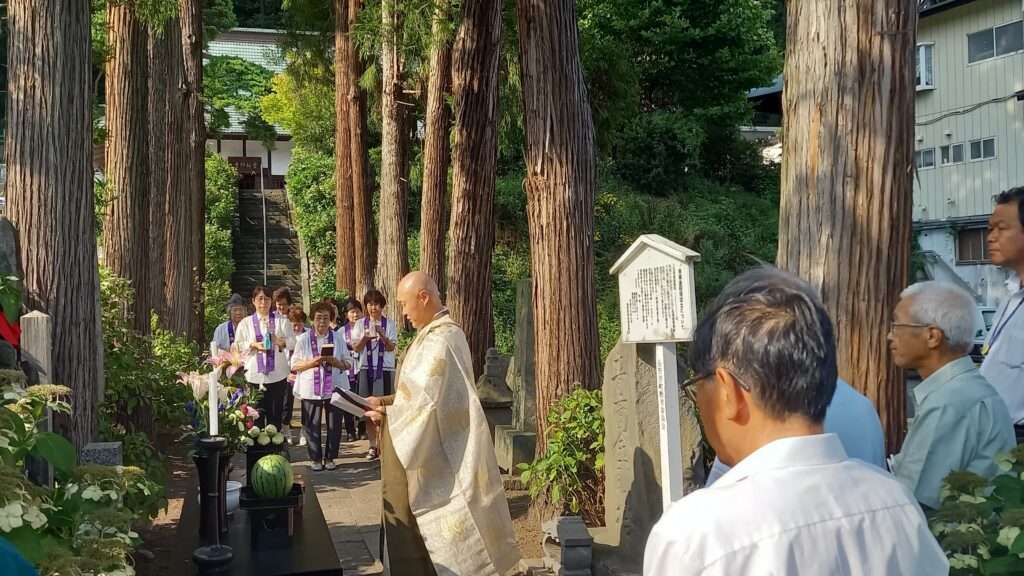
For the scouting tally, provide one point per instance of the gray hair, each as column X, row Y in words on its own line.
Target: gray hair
column 947, row 307
column 770, row 329
column 236, row 300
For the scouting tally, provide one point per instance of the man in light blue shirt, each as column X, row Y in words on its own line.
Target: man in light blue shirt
column 853, row 418
column 961, row 421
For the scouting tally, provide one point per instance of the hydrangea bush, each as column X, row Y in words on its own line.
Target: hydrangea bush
column 980, row 521
column 83, row 525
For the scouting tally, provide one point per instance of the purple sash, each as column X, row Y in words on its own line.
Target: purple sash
column 231, row 332
column 352, row 351
column 265, row 360
column 318, row 387
column 377, row 346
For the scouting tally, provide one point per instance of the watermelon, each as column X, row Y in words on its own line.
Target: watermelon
column 271, row 477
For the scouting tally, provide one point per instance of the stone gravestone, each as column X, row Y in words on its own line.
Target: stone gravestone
column 495, row 396
column 633, row 457
column 36, row 353
column 516, row 443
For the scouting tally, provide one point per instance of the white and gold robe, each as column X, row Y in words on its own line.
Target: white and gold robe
column 439, row 433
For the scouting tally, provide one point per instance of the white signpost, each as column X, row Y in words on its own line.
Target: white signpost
column 657, row 305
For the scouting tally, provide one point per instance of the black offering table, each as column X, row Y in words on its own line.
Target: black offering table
column 311, row 554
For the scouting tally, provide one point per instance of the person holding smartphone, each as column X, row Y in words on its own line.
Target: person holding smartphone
column 268, row 336
column 376, row 338
column 320, row 362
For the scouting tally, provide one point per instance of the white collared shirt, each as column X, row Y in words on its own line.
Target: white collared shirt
column 304, row 381
column 221, row 335
column 245, row 336
column 372, row 346
column 1003, row 366
column 796, row 506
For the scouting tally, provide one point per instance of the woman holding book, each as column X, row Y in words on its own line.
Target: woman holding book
column 376, row 337
column 320, row 363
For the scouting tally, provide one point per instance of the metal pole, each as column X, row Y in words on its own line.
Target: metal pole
column 263, row 194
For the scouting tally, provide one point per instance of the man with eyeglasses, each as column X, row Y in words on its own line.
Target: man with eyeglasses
column 960, row 421
column 793, row 502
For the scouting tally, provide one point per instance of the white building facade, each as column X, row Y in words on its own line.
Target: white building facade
column 969, row 134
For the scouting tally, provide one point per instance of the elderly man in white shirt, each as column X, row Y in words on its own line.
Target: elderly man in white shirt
column 321, row 360
column 269, row 336
column 1003, row 365
column 793, row 502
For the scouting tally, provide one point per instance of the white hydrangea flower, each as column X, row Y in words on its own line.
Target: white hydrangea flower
column 92, row 492
column 10, row 516
column 1004, row 461
column 963, row 561
column 4, row 442
column 142, row 487
column 35, row 517
column 971, row 499
column 1008, row 535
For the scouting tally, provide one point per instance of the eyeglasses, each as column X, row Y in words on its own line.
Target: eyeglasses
column 894, row 325
column 690, row 389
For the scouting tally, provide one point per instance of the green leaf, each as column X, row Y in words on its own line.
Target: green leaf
column 26, row 540
column 56, row 450
column 525, row 477
column 1017, row 547
column 1003, row 565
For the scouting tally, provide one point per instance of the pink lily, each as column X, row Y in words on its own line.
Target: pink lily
column 231, row 360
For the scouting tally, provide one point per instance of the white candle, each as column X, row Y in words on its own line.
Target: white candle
column 214, row 424
column 214, row 349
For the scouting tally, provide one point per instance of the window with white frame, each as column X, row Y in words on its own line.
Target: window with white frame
column 924, row 159
column 925, row 79
column 951, row 154
column 995, row 42
column 983, row 149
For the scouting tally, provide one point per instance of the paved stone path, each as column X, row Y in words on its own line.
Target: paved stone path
column 350, row 499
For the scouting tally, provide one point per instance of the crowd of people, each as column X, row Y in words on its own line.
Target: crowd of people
column 292, row 354
column 801, row 483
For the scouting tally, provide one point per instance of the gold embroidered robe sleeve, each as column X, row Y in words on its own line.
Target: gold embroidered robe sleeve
column 440, row 436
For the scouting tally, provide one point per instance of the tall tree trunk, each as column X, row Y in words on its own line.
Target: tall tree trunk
column 179, row 228
column 127, row 156
column 345, row 248
column 436, row 151
column 475, row 165
column 194, row 145
column 49, row 191
column 392, row 249
column 362, row 204
column 560, row 175
column 161, row 47
column 845, row 213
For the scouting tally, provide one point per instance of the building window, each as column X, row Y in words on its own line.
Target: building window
column 925, row 77
column 972, row 246
column 951, row 154
column 924, row 159
column 995, row 42
column 983, row 149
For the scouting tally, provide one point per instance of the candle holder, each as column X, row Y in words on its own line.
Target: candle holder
column 213, row 558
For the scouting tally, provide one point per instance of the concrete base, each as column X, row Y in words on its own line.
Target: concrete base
column 513, row 447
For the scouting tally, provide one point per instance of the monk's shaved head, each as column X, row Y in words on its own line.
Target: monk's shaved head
column 419, row 298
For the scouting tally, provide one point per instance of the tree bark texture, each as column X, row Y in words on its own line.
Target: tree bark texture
column 560, row 181
column 179, row 229
column 345, row 249
column 187, row 290
column 437, row 152
column 392, row 248
column 161, row 46
column 475, row 164
column 845, row 211
column 126, row 221
column 49, row 191
column 362, row 203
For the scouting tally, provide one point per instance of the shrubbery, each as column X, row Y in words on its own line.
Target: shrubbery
column 310, row 183
column 221, row 210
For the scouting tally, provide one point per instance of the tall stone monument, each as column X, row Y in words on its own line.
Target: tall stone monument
column 516, row 443
column 633, row 494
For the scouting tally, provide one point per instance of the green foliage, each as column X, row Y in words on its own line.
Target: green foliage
column 259, row 13
column 655, row 151
column 10, row 298
column 310, row 183
column 980, row 521
column 83, row 524
column 571, row 473
column 218, row 16
column 304, row 109
column 221, row 208
column 231, row 84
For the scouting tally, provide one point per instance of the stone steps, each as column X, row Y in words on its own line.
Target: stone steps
column 284, row 267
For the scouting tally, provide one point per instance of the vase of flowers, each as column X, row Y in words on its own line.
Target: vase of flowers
column 235, row 416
